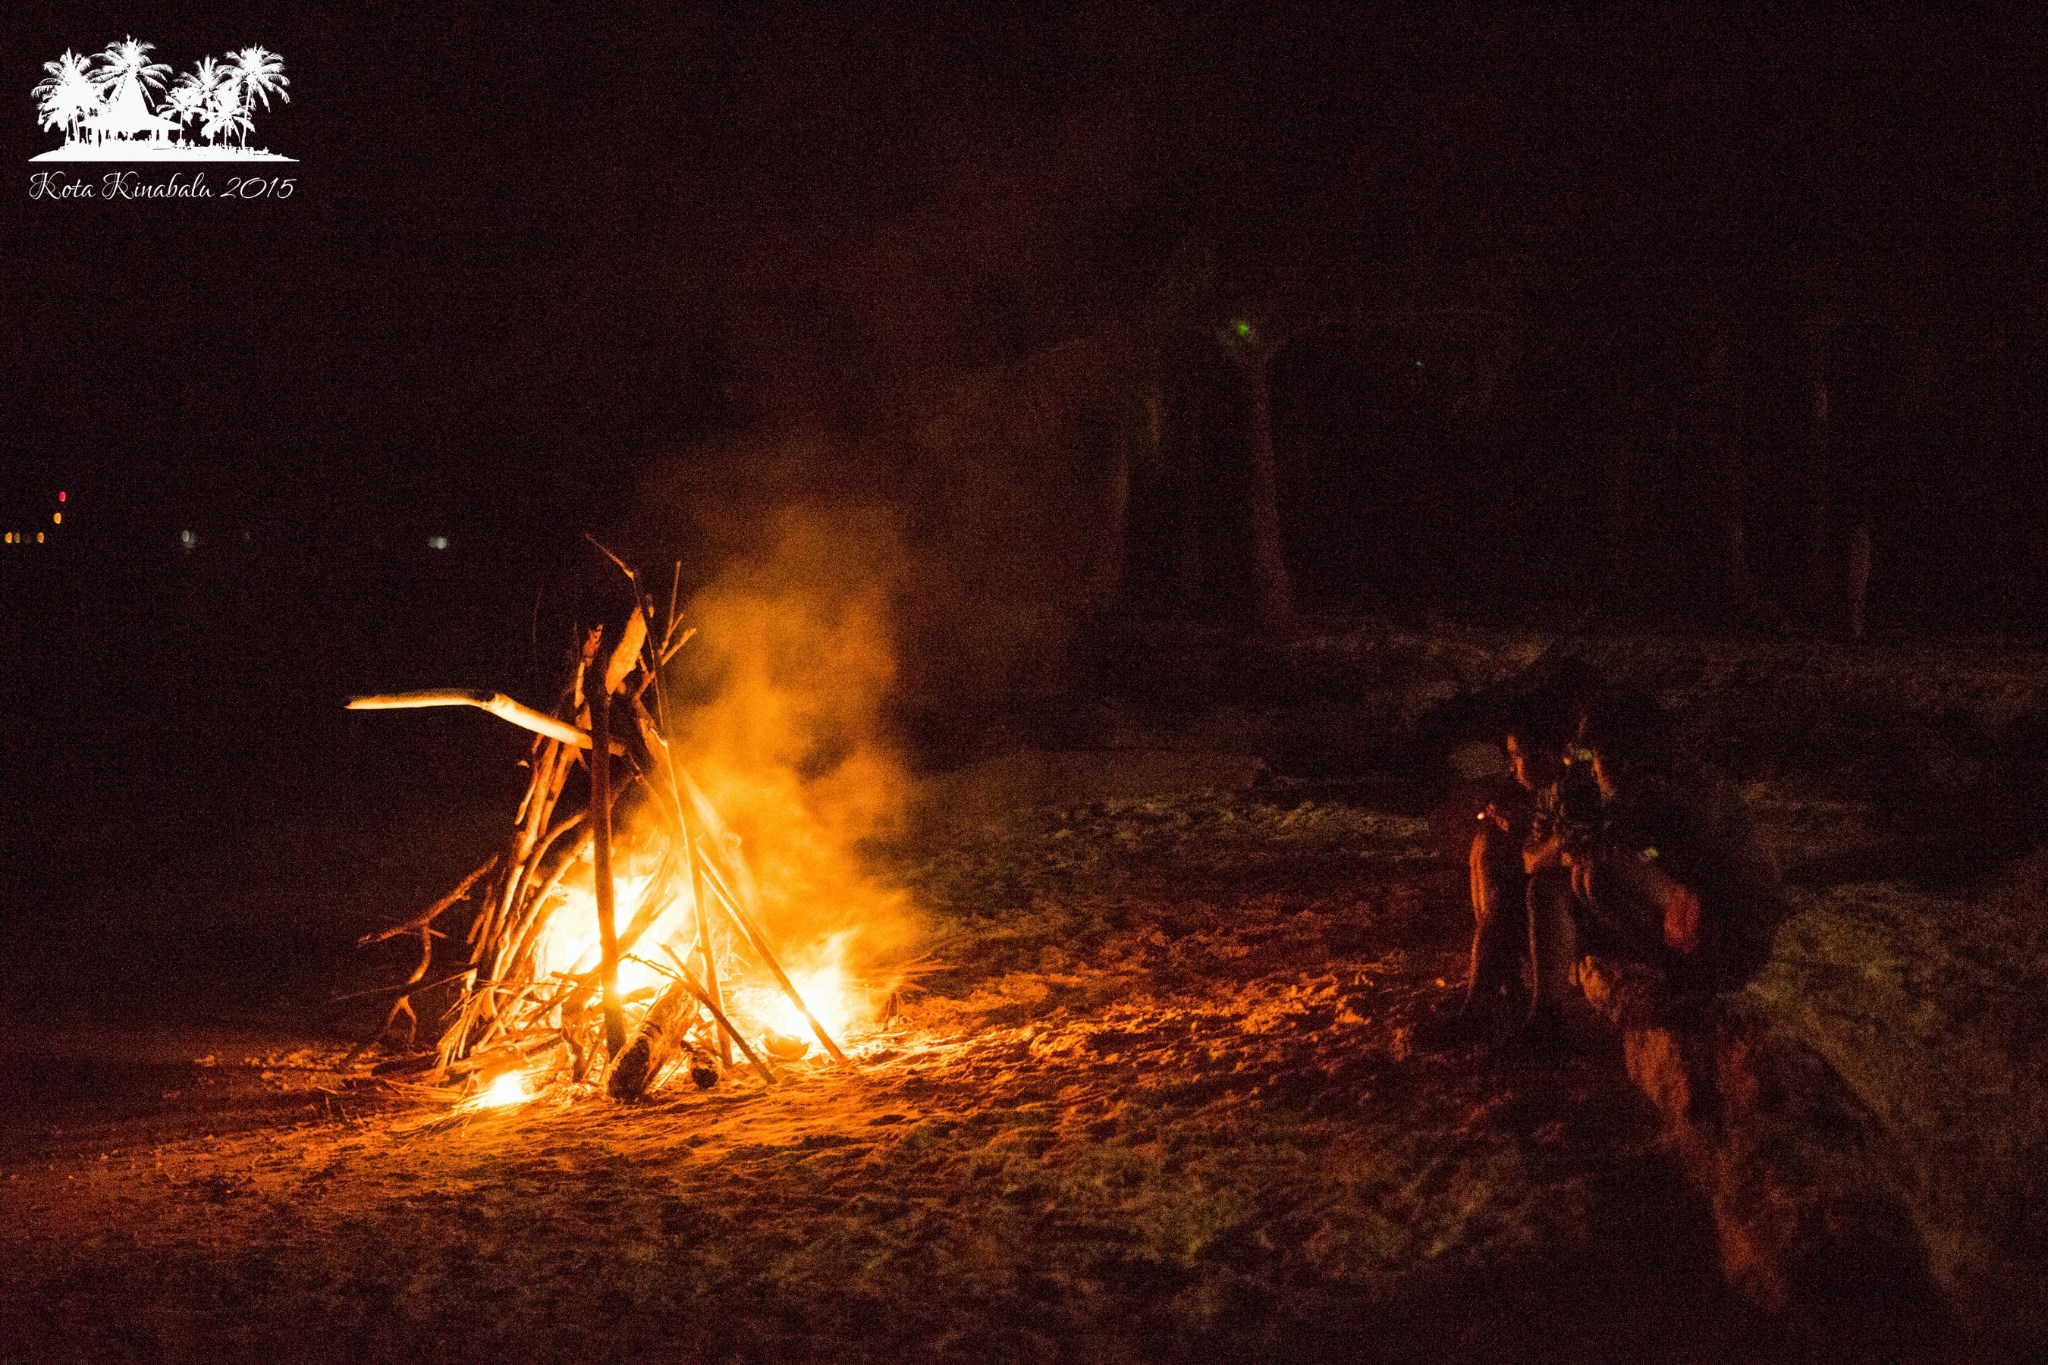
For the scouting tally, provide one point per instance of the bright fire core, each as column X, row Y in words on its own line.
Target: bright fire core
column 840, row 1000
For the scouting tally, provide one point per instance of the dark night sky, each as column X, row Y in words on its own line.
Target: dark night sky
column 531, row 248
column 525, row 249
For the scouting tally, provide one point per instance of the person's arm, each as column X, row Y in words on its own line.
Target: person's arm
column 1543, row 854
column 1682, row 919
column 1543, row 849
column 1679, row 903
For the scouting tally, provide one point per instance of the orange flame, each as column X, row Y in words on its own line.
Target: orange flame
column 784, row 729
column 503, row 1092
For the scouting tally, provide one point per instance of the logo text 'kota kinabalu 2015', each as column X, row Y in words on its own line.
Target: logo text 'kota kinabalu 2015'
column 115, row 107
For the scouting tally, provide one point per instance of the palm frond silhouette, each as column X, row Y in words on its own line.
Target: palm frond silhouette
column 224, row 112
column 129, row 60
column 260, row 73
column 189, row 97
column 67, row 94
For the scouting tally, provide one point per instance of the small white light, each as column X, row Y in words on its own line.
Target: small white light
column 188, row 539
column 437, row 542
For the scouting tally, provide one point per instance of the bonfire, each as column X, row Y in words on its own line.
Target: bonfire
column 593, row 958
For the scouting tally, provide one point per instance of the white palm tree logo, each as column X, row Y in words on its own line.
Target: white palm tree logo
column 103, row 105
column 224, row 113
column 189, row 98
column 260, row 73
column 127, row 63
column 67, row 94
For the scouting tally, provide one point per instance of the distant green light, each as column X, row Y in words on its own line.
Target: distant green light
column 1244, row 329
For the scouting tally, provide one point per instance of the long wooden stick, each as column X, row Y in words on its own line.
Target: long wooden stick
column 601, row 828
column 497, row 703
column 714, row 996
column 657, row 749
column 761, row 949
column 535, row 756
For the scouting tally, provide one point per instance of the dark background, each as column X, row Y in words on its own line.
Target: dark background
column 1565, row 289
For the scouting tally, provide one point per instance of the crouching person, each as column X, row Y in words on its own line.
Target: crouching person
column 1499, row 974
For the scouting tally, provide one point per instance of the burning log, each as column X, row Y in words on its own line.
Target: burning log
column 717, row 1013
column 654, row 1046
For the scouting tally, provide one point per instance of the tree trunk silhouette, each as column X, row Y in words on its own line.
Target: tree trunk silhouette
column 1272, row 592
column 1187, row 557
column 1728, row 470
column 1820, row 480
column 1106, row 588
column 1622, row 513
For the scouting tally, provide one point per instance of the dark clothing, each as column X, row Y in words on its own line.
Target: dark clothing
column 1554, row 937
column 1569, row 807
column 1663, row 841
column 1564, row 810
column 1696, row 830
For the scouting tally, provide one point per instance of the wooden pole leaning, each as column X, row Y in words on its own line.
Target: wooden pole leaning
column 759, row 942
column 601, row 846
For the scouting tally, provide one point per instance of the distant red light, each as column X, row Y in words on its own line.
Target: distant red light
column 60, row 495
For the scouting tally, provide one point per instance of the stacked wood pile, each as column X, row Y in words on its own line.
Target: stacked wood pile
column 510, row 1011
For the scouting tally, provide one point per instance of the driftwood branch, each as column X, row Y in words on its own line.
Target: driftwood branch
column 497, row 703
column 428, row 915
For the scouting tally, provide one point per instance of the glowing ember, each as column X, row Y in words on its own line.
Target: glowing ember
column 568, row 943
column 836, row 1001
column 502, row 1093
